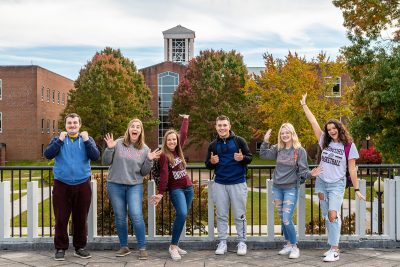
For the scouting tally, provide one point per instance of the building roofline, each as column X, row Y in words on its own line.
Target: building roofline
column 35, row 66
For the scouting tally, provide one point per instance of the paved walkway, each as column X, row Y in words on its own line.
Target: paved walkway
column 350, row 257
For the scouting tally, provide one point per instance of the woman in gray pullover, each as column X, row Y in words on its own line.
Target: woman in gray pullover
column 291, row 164
column 130, row 160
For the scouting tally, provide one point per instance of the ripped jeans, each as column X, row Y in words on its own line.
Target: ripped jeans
column 333, row 199
column 285, row 202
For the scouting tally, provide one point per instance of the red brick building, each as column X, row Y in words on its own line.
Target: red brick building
column 31, row 99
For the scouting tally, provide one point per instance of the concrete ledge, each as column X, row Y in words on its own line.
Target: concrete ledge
column 203, row 245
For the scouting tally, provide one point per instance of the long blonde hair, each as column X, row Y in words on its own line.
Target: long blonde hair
column 178, row 148
column 127, row 139
column 295, row 139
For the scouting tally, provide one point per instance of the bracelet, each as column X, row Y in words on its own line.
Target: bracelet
column 356, row 189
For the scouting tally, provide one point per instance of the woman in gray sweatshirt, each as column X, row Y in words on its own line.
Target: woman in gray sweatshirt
column 291, row 164
column 130, row 159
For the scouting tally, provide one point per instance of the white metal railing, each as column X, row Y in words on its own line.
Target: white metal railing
column 391, row 215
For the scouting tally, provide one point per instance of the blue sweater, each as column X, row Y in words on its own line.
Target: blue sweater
column 72, row 159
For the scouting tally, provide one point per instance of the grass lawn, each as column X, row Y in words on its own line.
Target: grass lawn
column 46, row 208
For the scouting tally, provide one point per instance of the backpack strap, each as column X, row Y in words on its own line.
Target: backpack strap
column 347, row 147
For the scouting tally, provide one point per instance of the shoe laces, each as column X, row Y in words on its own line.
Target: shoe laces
column 242, row 245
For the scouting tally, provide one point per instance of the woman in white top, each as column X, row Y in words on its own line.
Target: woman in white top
column 331, row 183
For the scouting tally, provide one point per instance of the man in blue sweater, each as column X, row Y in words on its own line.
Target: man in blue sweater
column 73, row 152
column 229, row 155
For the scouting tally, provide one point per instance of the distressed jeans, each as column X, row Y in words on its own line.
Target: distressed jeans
column 285, row 202
column 333, row 199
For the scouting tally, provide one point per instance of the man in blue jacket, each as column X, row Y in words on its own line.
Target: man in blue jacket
column 73, row 152
column 229, row 155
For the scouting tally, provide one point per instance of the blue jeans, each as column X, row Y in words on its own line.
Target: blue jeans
column 181, row 198
column 128, row 197
column 333, row 199
column 285, row 202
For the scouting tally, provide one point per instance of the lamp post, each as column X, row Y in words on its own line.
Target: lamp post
column 368, row 138
column 379, row 186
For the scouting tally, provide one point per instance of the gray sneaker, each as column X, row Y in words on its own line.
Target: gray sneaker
column 123, row 252
column 143, row 254
column 82, row 253
column 60, row 255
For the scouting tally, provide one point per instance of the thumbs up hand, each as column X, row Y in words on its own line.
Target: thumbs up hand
column 238, row 156
column 214, row 159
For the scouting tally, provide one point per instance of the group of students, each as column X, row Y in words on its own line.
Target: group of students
column 130, row 160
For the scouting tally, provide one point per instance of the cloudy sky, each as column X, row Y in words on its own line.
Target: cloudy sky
column 62, row 35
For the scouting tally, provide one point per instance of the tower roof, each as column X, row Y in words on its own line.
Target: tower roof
column 178, row 32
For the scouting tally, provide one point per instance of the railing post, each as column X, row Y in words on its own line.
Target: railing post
column 361, row 209
column 32, row 207
column 301, row 212
column 92, row 216
column 210, row 211
column 389, row 206
column 151, row 209
column 5, row 209
column 270, row 212
column 397, row 180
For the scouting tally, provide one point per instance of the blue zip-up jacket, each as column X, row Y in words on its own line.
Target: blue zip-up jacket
column 229, row 171
column 72, row 159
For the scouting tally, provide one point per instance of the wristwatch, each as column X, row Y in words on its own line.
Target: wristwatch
column 356, row 189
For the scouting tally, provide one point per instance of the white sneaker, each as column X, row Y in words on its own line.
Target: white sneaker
column 327, row 252
column 242, row 249
column 181, row 251
column 222, row 248
column 286, row 250
column 295, row 253
column 174, row 254
column 333, row 256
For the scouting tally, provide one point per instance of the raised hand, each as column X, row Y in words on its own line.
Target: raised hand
column 316, row 171
column 155, row 199
column 238, row 156
column 155, row 154
column 110, row 140
column 303, row 99
column 267, row 136
column 214, row 159
column 85, row 135
column 185, row 116
column 62, row 136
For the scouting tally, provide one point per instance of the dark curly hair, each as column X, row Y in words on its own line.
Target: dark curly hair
column 344, row 135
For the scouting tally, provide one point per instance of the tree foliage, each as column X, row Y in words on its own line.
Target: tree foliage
column 213, row 85
column 278, row 91
column 370, row 17
column 109, row 93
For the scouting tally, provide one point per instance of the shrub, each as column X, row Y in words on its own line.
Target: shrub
column 369, row 156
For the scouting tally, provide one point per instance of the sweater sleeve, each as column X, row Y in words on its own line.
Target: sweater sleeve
column 247, row 156
column 147, row 164
column 304, row 170
column 108, row 156
column 268, row 152
column 92, row 151
column 164, row 174
column 183, row 132
column 53, row 148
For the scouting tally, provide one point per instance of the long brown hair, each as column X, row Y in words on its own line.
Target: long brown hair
column 344, row 135
column 127, row 139
column 178, row 148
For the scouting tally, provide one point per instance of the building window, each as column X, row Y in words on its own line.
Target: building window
column 178, row 50
column 63, row 98
column 1, row 122
column 42, row 93
column 54, row 126
column 58, row 97
column 48, row 95
column 334, row 86
column 48, row 126
column 54, row 95
column 167, row 84
column 42, row 125
column 1, row 89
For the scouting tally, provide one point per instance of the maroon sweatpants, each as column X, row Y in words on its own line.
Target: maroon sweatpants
column 69, row 199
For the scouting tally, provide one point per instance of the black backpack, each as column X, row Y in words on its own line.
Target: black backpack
column 155, row 171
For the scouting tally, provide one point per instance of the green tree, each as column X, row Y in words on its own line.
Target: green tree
column 213, row 85
column 109, row 93
column 279, row 89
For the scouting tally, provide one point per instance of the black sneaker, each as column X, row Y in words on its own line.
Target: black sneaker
column 59, row 256
column 82, row 253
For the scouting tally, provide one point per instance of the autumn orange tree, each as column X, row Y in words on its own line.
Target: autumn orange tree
column 278, row 91
column 213, row 85
column 108, row 93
